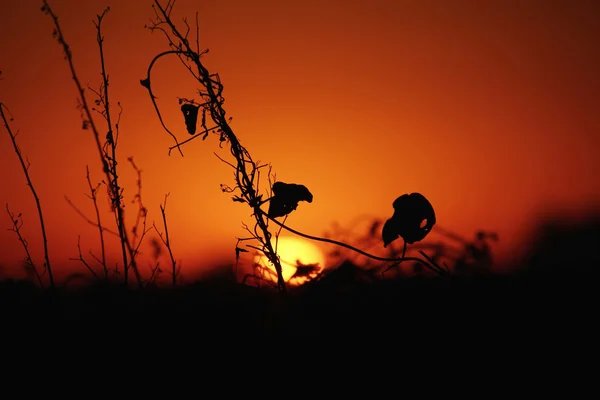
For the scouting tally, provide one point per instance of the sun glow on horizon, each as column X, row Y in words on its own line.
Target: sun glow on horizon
column 301, row 261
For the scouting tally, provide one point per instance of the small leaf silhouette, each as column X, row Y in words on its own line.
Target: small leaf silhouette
column 412, row 220
column 286, row 197
column 145, row 83
column 190, row 114
column 239, row 250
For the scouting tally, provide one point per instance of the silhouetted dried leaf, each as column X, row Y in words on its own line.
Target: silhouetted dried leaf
column 412, row 220
column 190, row 114
column 239, row 250
column 286, row 197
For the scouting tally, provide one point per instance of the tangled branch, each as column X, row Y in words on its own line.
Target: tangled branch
column 413, row 215
column 211, row 92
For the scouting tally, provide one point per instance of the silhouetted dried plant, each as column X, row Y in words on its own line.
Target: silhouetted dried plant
column 94, row 198
column 106, row 145
column 18, row 222
column 457, row 255
column 175, row 269
column 82, row 260
column 247, row 171
column 283, row 197
column 97, row 223
column 413, row 216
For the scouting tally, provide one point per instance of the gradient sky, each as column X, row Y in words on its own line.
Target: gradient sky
column 488, row 108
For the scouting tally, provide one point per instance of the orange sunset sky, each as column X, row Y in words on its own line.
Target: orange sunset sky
column 489, row 108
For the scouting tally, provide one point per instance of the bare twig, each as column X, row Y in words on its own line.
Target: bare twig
column 142, row 211
column 82, row 260
column 38, row 205
column 17, row 222
column 201, row 134
column 89, row 221
column 106, row 152
column 155, row 271
column 166, row 241
column 93, row 196
column 141, row 215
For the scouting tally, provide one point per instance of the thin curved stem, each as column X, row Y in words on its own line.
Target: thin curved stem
column 217, row 113
column 433, row 267
column 146, row 83
column 38, row 205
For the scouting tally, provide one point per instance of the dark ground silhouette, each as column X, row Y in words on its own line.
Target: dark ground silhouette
column 554, row 292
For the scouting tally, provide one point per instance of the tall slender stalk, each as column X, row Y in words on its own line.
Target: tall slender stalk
column 94, row 199
column 213, row 103
column 38, row 205
column 107, row 158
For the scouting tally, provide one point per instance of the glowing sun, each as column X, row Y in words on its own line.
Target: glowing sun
column 301, row 261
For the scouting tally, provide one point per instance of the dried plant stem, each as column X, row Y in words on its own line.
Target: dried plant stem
column 138, row 238
column 246, row 170
column 126, row 246
column 17, row 223
column 154, row 272
column 166, row 241
column 107, row 158
column 431, row 265
column 82, row 260
column 38, row 205
column 89, row 221
column 98, row 222
column 213, row 101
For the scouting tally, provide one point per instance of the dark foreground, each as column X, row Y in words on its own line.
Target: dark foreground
column 338, row 306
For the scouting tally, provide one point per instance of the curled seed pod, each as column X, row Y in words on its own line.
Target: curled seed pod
column 190, row 114
column 412, row 220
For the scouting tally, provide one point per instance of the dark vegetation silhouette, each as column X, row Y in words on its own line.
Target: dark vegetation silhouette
column 427, row 284
column 283, row 198
column 17, row 221
column 565, row 251
column 457, row 255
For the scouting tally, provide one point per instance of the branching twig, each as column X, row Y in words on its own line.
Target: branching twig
column 38, row 205
column 98, row 222
column 179, row 144
column 154, row 272
column 166, row 241
column 17, row 223
column 106, row 152
column 142, row 211
column 140, row 218
column 89, row 221
column 82, row 260
column 212, row 104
